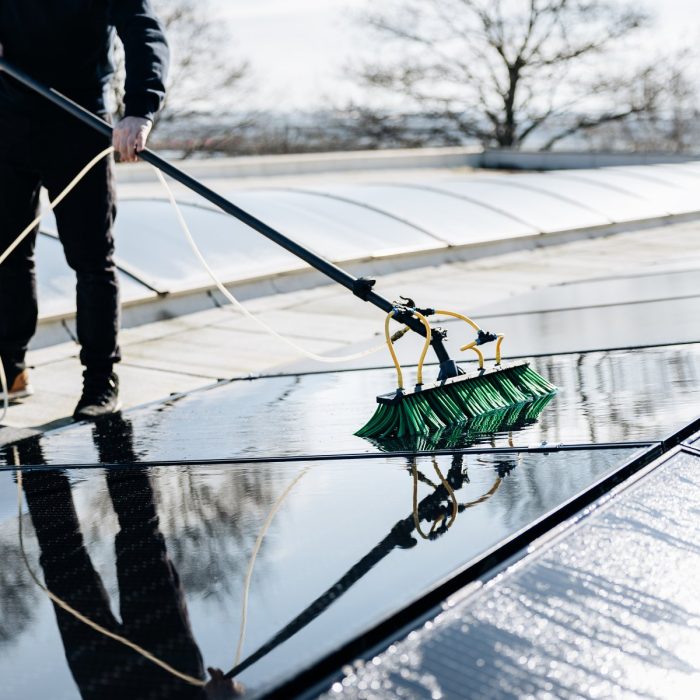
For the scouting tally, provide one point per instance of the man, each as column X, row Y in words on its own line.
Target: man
column 67, row 44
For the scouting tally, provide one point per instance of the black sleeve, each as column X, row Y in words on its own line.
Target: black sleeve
column 147, row 56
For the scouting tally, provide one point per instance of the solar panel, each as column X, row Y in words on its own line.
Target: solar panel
column 345, row 527
column 602, row 611
column 604, row 397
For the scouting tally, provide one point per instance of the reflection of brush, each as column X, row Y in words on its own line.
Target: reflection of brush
column 457, row 401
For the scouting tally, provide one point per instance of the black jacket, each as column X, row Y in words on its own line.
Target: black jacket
column 67, row 44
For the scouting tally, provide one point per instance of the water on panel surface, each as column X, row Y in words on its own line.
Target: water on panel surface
column 595, row 315
column 161, row 556
column 606, row 611
column 603, row 397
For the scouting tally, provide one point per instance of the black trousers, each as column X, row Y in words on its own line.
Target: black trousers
column 49, row 151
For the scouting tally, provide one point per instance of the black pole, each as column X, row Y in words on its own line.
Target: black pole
column 355, row 285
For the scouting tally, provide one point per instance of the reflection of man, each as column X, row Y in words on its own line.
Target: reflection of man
column 67, row 44
column 152, row 605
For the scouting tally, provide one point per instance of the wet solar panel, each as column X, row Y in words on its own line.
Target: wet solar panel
column 308, row 553
column 604, row 610
column 165, row 557
column 657, row 286
column 557, row 320
column 603, row 397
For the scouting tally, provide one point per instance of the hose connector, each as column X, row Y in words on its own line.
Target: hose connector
column 483, row 337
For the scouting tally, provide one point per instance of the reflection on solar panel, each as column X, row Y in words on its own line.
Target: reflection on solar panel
column 329, row 568
column 622, row 573
column 327, row 582
column 604, row 397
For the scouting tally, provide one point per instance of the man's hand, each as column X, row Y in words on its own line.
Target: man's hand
column 221, row 688
column 130, row 137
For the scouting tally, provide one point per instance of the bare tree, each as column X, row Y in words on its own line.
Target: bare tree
column 503, row 71
column 674, row 126
column 204, row 75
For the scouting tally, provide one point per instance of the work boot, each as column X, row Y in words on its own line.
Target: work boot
column 100, row 396
column 18, row 386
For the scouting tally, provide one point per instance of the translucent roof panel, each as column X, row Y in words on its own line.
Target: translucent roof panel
column 691, row 167
column 56, row 281
column 678, row 175
column 612, row 205
column 448, row 218
column 150, row 240
column 544, row 211
column 336, row 229
column 674, row 192
column 650, row 204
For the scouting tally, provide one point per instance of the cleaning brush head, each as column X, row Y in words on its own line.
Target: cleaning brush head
column 485, row 396
column 459, row 437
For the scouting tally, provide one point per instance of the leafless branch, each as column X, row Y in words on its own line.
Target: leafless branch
column 503, row 70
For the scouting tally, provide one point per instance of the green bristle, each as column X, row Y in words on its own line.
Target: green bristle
column 502, row 420
column 496, row 421
column 449, row 412
column 534, row 409
column 487, row 403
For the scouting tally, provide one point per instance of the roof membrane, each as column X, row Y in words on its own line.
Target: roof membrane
column 449, row 219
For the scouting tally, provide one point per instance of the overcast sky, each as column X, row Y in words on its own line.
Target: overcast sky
column 298, row 48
